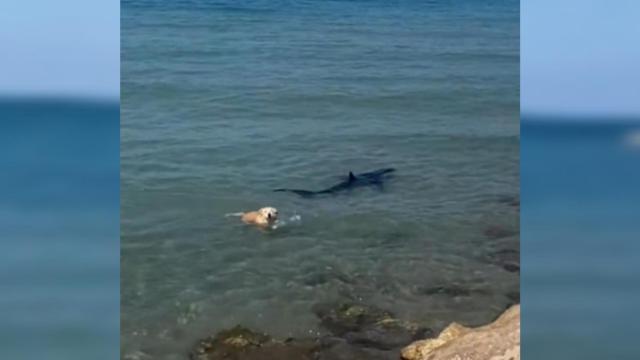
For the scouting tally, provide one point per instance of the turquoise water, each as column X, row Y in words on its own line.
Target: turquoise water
column 59, row 258
column 580, row 252
column 224, row 101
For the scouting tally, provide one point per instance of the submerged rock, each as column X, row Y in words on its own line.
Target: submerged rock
column 340, row 319
column 362, row 332
column 386, row 335
column 368, row 326
column 514, row 298
column 240, row 343
column 508, row 259
column 243, row 344
column 510, row 267
column 499, row 232
column 499, row 340
column 453, row 290
column 511, row 200
column 340, row 349
column 316, row 279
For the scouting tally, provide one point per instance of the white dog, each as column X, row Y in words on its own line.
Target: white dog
column 264, row 217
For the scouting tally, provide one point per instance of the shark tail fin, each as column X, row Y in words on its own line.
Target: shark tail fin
column 351, row 176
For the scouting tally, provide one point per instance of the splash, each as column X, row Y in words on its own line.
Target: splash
column 282, row 223
column 233, row 214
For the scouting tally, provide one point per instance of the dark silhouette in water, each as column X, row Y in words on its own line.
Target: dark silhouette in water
column 373, row 178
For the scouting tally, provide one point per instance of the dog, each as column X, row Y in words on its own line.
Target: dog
column 264, row 217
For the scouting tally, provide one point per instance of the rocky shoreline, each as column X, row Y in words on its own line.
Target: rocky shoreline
column 365, row 332
column 359, row 331
column 354, row 330
column 499, row 340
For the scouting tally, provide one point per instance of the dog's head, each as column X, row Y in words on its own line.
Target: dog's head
column 269, row 213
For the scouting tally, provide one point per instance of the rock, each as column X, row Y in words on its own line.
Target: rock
column 321, row 277
column 499, row 232
column 499, row 340
column 386, row 334
column 514, row 296
column 511, row 200
column 368, row 326
column 452, row 290
column 340, row 349
column 511, row 267
column 340, row 319
column 315, row 279
column 508, row 259
column 240, row 343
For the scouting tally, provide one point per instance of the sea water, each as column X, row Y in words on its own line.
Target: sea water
column 224, row 101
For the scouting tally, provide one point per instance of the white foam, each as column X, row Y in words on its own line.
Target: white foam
column 281, row 223
column 233, row 214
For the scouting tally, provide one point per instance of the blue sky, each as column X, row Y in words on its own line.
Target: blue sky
column 60, row 47
column 580, row 57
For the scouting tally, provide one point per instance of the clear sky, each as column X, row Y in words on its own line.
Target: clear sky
column 60, row 47
column 580, row 56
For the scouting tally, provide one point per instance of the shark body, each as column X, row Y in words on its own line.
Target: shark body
column 372, row 178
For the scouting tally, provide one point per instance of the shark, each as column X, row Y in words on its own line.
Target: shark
column 373, row 178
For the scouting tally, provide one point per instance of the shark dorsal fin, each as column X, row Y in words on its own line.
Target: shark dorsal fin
column 351, row 176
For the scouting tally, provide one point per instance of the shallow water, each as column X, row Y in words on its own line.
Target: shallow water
column 223, row 102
